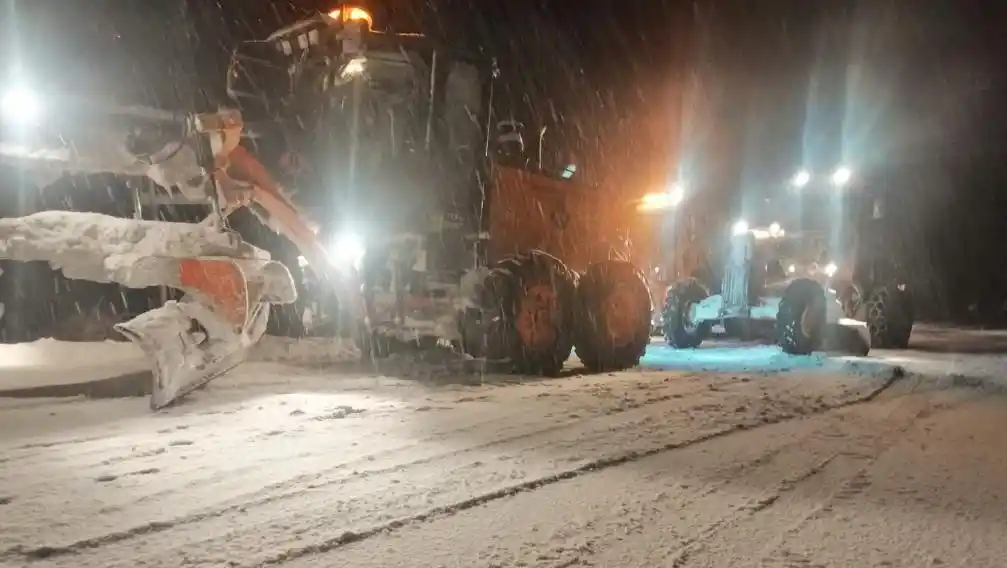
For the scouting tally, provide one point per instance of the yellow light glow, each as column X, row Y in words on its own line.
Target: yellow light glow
column 656, row 202
column 660, row 200
column 352, row 14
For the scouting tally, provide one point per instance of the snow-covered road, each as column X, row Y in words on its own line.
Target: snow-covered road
column 775, row 462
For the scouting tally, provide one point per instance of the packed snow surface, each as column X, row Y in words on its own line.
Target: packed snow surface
column 832, row 463
column 708, row 458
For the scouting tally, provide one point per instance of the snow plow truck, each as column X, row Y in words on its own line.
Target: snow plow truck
column 813, row 270
column 382, row 162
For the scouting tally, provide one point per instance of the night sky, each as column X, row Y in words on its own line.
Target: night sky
column 729, row 96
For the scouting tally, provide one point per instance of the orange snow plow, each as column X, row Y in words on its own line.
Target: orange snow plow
column 192, row 342
column 228, row 285
column 443, row 233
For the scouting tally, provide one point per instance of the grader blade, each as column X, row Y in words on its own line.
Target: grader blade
column 210, row 330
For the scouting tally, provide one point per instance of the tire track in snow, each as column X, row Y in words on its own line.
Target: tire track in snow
column 641, row 513
column 528, row 430
column 871, row 432
column 901, row 420
column 600, row 434
column 316, row 480
column 156, row 445
column 905, row 419
column 634, row 522
column 532, row 485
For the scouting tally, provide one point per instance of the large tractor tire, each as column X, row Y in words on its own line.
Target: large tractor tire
column 679, row 331
column 890, row 316
column 800, row 321
column 613, row 316
column 527, row 313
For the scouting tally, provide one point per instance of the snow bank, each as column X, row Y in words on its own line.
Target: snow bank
column 47, row 362
column 101, row 248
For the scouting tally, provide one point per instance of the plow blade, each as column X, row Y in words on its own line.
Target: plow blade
column 210, row 330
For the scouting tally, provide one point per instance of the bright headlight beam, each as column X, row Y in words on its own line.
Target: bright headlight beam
column 675, row 195
column 841, row 176
column 20, row 106
column 662, row 200
column 801, row 178
column 347, row 250
column 739, row 228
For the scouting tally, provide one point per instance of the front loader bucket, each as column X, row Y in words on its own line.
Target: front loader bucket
column 209, row 332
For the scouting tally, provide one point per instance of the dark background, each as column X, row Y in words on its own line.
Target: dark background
column 728, row 95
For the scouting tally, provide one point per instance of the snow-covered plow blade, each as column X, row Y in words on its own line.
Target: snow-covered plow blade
column 228, row 286
column 208, row 332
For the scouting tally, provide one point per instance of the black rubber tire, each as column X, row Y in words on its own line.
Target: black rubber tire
column 500, row 298
column 890, row 316
column 802, row 295
column 676, row 332
column 595, row 345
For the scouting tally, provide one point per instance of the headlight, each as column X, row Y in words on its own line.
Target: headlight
column 801, row 178
column 654, row 202
column 739, row 228
column 831, row 269
column 792, row 269
column 20, row 106
column 352, row 14
column 347, row 250
column 841, row 176
column 661, row 200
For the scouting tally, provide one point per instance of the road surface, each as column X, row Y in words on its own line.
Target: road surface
column 707, row 460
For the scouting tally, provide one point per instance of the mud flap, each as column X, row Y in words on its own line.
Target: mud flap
column 210, row 330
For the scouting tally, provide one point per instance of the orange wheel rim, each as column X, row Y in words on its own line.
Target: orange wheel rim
column 619, row 312
column 538, row 316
